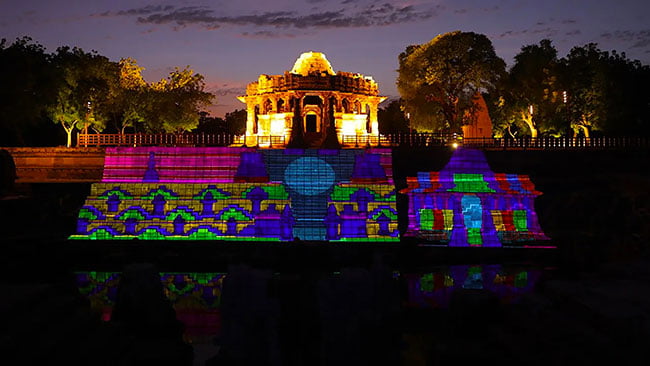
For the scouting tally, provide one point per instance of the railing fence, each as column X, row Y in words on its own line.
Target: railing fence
column 391, row 140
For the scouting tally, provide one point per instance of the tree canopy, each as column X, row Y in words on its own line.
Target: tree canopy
column 437, row 80
column 83, row 90
column 28, row 87
column 587, row 91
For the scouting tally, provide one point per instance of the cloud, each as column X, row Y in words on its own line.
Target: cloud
column 267, row 34
column 545, row 28
column 544, row 32
column 181, row 16
column 227, row 90
column 639, row 39
column 367, row 16
column 149, row 9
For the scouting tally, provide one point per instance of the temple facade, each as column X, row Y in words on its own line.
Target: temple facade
column 311, row 106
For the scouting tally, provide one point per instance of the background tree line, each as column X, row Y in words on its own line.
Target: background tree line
column 45, row 97
column 587, row 92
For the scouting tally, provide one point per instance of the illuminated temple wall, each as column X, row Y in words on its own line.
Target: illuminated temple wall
column 163, row 193
column 467, row 204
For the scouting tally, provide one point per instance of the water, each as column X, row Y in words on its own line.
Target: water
column 360, row 315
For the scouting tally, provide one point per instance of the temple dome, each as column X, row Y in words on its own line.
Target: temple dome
column 310, row 63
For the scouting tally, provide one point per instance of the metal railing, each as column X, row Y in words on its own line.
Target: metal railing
column 559, row 143
column 392, row 140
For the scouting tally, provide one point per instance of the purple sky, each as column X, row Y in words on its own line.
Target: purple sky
column 232, row 42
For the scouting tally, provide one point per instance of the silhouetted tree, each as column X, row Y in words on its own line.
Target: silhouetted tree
column 605, row 92
column 236, row 121
column 27, row 89
column 211, row 125
column 391, row 118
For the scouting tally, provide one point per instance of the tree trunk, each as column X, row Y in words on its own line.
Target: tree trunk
column 68, row 131
column 528, row 119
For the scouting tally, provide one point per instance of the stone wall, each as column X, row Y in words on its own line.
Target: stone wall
column 57, row 164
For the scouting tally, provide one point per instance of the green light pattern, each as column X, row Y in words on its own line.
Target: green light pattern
column 115, row 192
column 521, row 279
column 151, row 234
column 217, row 194
column 85, row 213
column 234, row 213
column 519, row 220
column 470, row 183
column 474, row 236
column 275, row 192
column 426, row 282
column 130, row 214
column 160, row 192
column 342, row 193
column 368, row 239
column 386, row 212
column 426, row 219
column 185, row 214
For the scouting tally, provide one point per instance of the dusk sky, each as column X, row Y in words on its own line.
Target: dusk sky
column 232, row 42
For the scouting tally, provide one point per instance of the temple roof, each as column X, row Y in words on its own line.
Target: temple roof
column 468, row 172
column 310, row 63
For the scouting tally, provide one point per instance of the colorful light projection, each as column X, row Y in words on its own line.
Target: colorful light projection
column 338, row 195
column 434, row 289
column 196, row 298
column 466, row 204
column 242, row 194
column 227, row 211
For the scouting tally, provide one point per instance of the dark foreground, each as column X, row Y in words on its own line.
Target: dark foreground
column 579, row 312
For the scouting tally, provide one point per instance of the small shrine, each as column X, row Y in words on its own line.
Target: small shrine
column 312, row 106
column 466, row 204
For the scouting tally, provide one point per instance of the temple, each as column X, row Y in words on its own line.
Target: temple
column 466, row 204
column 311, row 106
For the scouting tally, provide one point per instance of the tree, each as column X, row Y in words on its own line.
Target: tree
column 236, row 121
column 391, row 118
column 86, row 90
column 606, row 92
column 131, row 101
column 585, row 78
column 174, row 103
column 211, row 125
column 28, row 88
column 531, row 92
column 437, row 80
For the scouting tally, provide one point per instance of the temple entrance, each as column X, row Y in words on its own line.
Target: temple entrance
column 472, row 216
column 311, row 123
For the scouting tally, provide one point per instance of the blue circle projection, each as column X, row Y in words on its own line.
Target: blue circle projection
column 309, row 176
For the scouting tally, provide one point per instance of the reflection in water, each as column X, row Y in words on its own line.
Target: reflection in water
column 195, row 297
column 434, row 289
column 302, row 318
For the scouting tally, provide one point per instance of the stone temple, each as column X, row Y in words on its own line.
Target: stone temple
column 312, row 106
